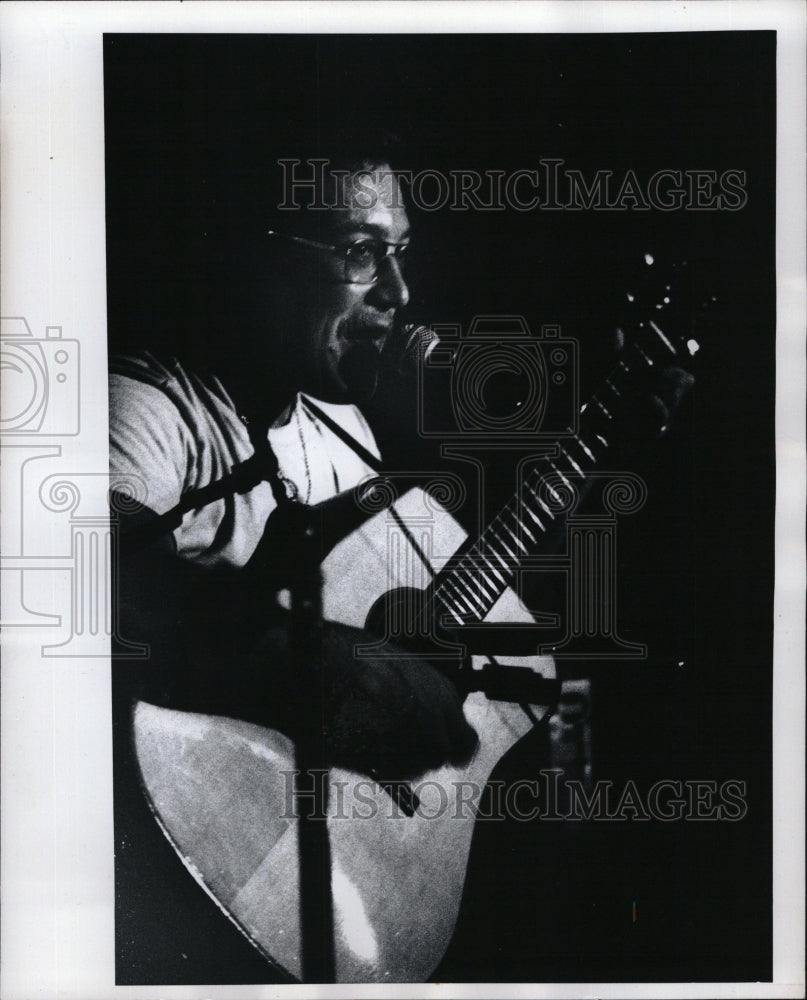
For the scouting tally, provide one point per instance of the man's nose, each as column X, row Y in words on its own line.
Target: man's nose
column 390, row 288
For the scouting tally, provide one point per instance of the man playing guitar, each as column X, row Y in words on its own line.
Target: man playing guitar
column 203, row 580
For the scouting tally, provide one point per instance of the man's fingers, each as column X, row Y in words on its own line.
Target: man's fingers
column 394, row 715
column 671, row 387
column 673, row 384
column 440, row 708
column 462, row 736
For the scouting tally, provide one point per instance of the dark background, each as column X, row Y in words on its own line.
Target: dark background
column 183, row 115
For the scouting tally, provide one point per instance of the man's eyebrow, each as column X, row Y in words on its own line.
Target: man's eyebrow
column 368, row 228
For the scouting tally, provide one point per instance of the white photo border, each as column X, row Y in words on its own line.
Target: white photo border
column 57, row 869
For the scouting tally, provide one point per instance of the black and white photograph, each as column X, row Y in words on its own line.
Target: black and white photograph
column 425, row 505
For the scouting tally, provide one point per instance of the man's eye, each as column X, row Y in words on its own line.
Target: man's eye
column 364, row 252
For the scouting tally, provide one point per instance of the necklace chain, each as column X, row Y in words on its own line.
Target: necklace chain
column 305, row 454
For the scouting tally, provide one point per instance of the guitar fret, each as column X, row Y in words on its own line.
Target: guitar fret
column 484, row 576
column 459, row 598
column 450, row 598
column 557, row 470
column 468, row 590
column 465, row 598
column 475, row 563
column 512, row 534
column 472, row 586
column 544, row 507
column 522, row 525
column 475, row 574
column 480, row 604
column 533, row 515
column 441, row 598
column 553, row 491
column 603, row 408
column 447, row 607
column 646, row 357
column 662, row 336
column 504, row 545
column 498, row 556
column 585, row 447
column 574, row 464
column 493, row 569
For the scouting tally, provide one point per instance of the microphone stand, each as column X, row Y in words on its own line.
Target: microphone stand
column 314, row 851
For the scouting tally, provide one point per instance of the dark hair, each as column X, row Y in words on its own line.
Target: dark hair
column 233, row 256
column 251, row 181
column 250, row 176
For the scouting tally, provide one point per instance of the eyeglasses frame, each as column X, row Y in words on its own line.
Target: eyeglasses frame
column 394, row 250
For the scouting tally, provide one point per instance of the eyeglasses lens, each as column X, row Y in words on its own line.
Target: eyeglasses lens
column 363, row 259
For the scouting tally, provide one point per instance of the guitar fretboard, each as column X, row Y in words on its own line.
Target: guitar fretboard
column 532, row 520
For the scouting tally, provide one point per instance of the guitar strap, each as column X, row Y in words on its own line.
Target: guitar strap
column 266, row 464
column 261, row 466
column 356, row 446
column 375, row 464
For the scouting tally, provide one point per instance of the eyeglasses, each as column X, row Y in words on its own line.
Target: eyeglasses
column 360, row 259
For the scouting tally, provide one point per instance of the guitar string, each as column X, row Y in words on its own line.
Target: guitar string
column 575, row 471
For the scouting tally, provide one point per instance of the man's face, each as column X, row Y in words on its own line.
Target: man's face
column 341, row 327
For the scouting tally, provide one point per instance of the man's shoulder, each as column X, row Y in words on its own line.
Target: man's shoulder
column 169, row 376
column 174, row 428
column 147, row 381
column 145, row 367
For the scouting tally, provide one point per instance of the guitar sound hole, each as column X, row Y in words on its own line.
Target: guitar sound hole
column 397, row 616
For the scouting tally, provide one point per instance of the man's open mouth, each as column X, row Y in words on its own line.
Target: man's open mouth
column 358, row 367
column 365, row 333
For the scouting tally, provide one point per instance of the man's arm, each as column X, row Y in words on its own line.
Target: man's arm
column 219, row 646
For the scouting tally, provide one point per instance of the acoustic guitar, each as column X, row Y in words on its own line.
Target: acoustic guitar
column 221, row 789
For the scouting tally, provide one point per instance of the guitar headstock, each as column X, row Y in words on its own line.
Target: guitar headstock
column 665, row 321
column 666, row 315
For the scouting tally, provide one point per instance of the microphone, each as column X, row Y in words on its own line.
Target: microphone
column 408, row 400
column 419, row 342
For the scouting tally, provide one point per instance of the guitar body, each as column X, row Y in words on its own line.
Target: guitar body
column 222, row 791
column 221, row 788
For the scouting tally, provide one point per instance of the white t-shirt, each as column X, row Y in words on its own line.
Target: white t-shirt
column 173, row 431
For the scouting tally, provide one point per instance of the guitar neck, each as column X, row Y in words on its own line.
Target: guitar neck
column 533, row 519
